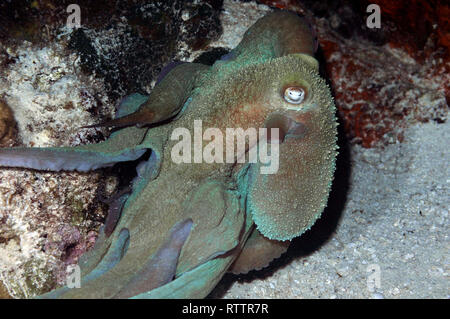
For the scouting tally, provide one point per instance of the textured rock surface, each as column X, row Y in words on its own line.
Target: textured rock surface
column 47, row 220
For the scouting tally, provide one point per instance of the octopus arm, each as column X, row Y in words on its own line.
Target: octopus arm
column 257, row 253
column 277, row 34
column 167, row 98
column 160, row 268
column 80, row 158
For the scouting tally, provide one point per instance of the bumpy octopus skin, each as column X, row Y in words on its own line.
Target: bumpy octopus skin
column 182, row 226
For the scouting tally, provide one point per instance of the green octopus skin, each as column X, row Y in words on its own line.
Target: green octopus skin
column 190, row 223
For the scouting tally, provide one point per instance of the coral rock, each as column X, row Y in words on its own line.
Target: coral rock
column 8, row 132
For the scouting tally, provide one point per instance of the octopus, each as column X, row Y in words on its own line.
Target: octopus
column 181, row 225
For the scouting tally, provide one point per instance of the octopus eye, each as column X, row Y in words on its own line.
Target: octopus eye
column 294, row 94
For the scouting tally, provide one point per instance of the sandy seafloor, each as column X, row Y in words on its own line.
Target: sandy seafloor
column 384, row 234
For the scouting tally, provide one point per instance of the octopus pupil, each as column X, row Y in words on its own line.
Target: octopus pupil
column 294, row 95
